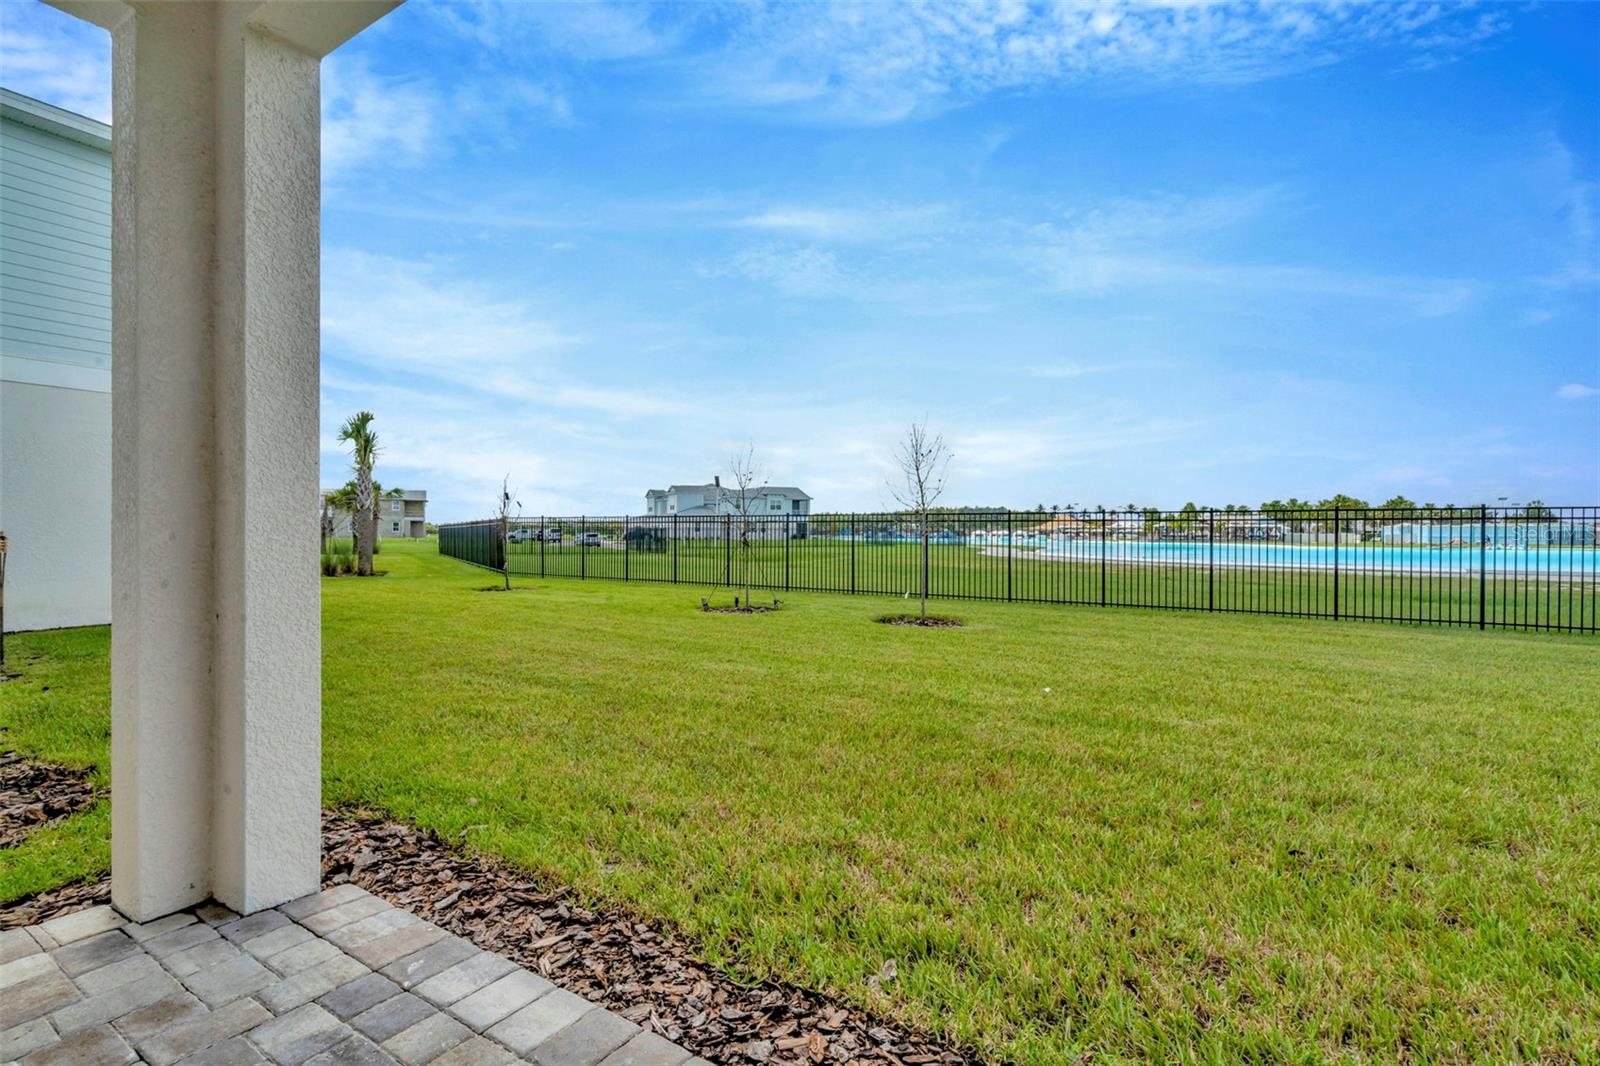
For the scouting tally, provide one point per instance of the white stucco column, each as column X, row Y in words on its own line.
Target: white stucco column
column 215, row 645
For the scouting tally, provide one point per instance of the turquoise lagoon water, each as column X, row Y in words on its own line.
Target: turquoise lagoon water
column 1571, row 563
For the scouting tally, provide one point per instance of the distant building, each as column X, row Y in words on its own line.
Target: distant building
column 704, row 505
column 55, row 365
column 401, row 513
column 716, row 498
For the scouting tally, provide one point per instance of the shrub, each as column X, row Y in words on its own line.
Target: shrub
column 336, row 563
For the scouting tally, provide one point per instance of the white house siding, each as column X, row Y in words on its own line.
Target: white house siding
column 55, row 481
column 55, row 365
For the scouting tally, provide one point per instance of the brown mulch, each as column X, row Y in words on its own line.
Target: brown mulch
column 56, row 902
column 33, row 795
column 931, row 622
column 635, row 968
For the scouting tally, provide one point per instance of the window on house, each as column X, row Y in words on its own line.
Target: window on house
column 777, row 505
column 396, row 526
column 795, row 506
column 394, row 505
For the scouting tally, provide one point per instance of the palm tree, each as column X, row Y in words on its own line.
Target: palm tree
column 364, row 445
column 344, row 499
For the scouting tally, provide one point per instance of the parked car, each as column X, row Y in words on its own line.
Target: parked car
column 549, row 536
column 522, row 535
column 590, row 539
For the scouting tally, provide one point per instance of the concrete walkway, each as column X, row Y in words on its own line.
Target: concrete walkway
column 338, row 977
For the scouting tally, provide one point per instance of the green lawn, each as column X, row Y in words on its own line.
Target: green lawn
column 1153, row 836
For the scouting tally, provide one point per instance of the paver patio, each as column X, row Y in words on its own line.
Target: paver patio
column 340, row 977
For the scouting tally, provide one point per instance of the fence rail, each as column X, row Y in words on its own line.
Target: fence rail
column 1510, row 568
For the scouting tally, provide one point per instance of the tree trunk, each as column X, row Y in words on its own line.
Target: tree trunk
column 366, row 515
column 924, row 571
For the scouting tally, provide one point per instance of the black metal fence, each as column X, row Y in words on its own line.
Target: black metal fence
column 1517, row 568
column 480, row 543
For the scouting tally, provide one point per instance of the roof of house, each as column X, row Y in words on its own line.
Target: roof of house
column 63, row 123
column 764, row 490
column 394, row 494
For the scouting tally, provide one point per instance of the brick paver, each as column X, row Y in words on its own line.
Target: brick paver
column 100, row 1046
column 292, row 1038
column 500, row 999
column 647, row 1049
column 416, row 968
column 464, row 978
column 353, row 997
column 586, row 1041
column 540, row 1020
column 15, row 943
column 339, row 978
column 307, row 985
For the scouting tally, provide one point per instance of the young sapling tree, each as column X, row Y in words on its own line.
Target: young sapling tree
column 923, row 461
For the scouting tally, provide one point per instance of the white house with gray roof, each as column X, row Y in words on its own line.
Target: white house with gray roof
column 709, row 503
column 718, row 499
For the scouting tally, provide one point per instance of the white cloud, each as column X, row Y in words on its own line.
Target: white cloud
column 1557, row 181
column 417, row 317
column 845, row 224
column 369, row 118
column 596, row 31
column 859, row 62
column 1067, row 371
column 1576, row 391
column 805, row 271
column 1167, row 242
column 412, row 315
column 57, row 58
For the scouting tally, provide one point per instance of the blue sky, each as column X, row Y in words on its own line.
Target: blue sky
column 1115, row 254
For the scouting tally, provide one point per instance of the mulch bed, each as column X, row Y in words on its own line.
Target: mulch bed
column 35, row 794
column 56, row 902
column 931, row 622
column 635, row 968
column 747, row 606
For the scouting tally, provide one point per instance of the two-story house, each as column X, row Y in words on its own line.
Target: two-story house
column 401, row 513
column 702, row 502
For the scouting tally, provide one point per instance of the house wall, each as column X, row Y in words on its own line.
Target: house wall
column 55, row 484
column 55, row 365
column 412, row 517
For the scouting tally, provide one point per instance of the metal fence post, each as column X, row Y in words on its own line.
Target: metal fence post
column 543, row 528
column 1105, row 546
column 674, row 549
column 1211, row 559
column 626, row 547
column 1011, row 550
column 1336, row 562
column 583, row 546
column 727, row 550
column 853, row 518
column 787, row 536
column 1483, row 564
